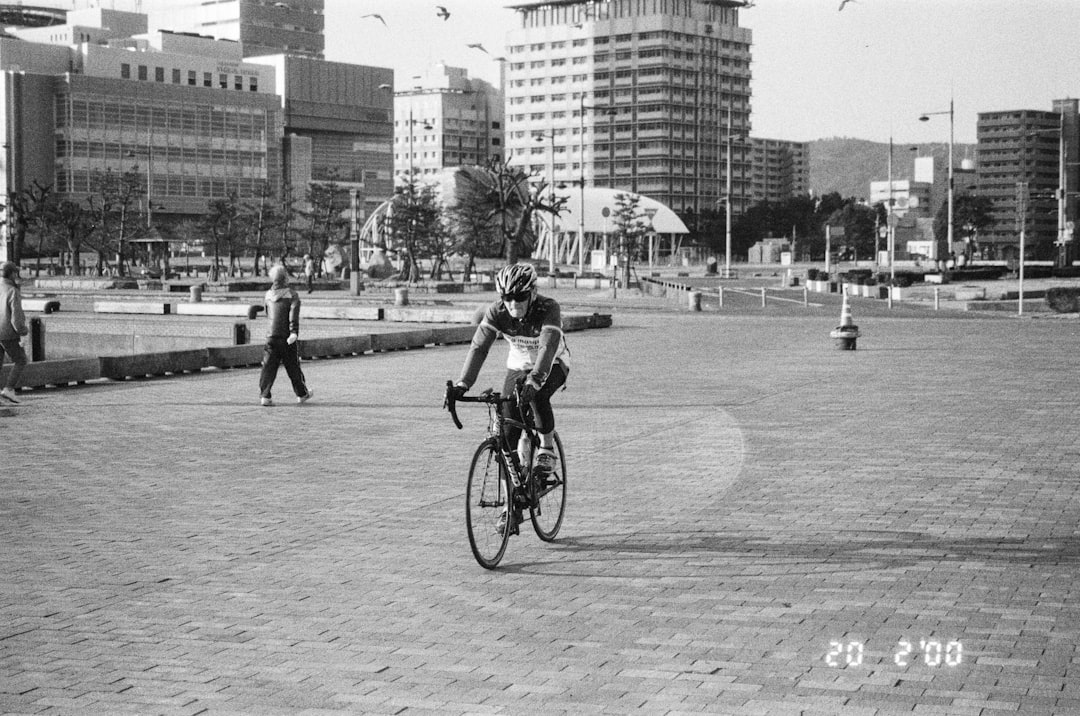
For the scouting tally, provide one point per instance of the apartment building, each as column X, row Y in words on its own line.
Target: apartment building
column 1024, row 169
column 632, row 95
column 780, row 169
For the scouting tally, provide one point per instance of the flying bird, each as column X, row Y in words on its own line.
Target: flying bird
column 842, row 4
column 379, row 17
column 478, row 46
column 442, row 12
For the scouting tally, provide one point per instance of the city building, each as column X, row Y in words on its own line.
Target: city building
column 446, row 119
column 186, row 111
column 1025, row 171
column 908, row 197
column 337, row 126
column 262, row 27
column 779, row 169
column 630, row 95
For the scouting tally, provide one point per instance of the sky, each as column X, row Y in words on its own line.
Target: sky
column 866, row 71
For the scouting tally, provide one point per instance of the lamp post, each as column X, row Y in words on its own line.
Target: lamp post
column 540, row 136
column 581, row 215
column 727, row 196
column 952, row 119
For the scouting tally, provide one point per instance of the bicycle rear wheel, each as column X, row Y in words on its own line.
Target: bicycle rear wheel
column 488, row 510
column 547, row 515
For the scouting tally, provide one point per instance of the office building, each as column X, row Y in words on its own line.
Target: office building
column 262, row 27
column 1022, row 168
column 337, row 126
column 185, row 111
column 780, row 170
column 446, row 119
column 633, row 96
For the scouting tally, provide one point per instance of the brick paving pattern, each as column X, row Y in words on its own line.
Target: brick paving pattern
column 758, row 523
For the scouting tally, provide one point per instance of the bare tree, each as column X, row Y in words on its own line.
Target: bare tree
column 114, row 201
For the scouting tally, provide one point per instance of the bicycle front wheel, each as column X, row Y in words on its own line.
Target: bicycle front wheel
column 550, row 506
column 488, row 509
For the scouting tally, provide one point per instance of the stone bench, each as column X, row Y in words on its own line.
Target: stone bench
column 148, row 307
column 41, row 305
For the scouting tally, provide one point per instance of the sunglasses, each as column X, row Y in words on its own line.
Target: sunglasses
column 521, row 297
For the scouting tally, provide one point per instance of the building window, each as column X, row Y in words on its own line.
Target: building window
column 142, row 72
column 238, row 82
column 207, row 79
column 253, row 84
column 223, row 81
column 191, row 77
column 125, row 71
column 159, row 74
column 176, row 77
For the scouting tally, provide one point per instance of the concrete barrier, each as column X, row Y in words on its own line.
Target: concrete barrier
column 452, row 335
column 349, row 313
column 146, row 364
column 217, row 309
column 57, row 372
column 234, row 356
column 149, row 307
column 428, row 315
column 401, row 341
column 334, row 347
column 41, row 305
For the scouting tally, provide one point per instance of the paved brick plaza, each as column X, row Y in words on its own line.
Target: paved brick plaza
column 742, row 495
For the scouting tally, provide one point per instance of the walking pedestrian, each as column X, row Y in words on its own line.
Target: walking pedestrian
column 12, row 329
column 309, row 272
column 283, row 312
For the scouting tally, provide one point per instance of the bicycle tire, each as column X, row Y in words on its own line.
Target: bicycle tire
column 550, row 505
column 487, row 497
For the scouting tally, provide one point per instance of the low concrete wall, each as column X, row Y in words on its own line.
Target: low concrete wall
column 67, row 336
column 65, row 372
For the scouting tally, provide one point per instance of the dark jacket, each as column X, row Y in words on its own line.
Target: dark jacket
column 12, row 319
column 283, row 311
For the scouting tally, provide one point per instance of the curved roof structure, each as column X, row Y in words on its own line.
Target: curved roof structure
column 600, row 205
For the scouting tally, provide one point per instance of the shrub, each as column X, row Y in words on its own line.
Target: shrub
column 1063, row 299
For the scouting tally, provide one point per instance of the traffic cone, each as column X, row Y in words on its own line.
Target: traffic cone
column 847, row 332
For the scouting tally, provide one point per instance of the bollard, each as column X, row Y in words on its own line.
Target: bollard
column 763, row 297
column 196, row 294
column 805, row 296
column 720, row 293
column 37, row 340
column 695, row 300
column 401, row 297
column 937, row 297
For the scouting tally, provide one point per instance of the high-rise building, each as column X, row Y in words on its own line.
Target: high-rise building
column 632, row 95
column 263, row 27
column 445, row 120
column 780, row 169
column 1023, row 166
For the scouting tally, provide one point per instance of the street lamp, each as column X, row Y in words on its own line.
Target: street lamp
column 581, row 216
column 540, row 136
column 952, row 119
column 727, row 197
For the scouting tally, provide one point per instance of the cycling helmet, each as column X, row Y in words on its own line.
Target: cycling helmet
column 516, row 278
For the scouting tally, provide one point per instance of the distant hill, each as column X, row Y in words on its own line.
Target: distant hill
column 848, row 166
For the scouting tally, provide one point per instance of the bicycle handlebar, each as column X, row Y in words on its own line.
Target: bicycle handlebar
column 450, row 402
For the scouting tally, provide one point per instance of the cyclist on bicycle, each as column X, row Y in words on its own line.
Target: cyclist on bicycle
column 538, row 358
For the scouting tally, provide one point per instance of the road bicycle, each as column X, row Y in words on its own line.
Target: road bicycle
column 502, row 485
